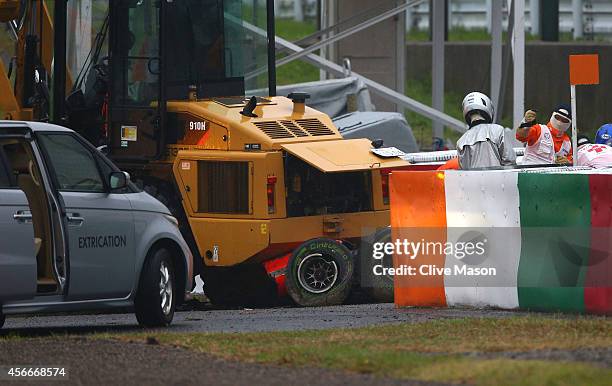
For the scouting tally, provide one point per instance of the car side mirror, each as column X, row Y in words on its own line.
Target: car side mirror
column 118, row 180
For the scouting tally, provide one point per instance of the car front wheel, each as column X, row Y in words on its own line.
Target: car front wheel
column 2, row 318
column 155, row 300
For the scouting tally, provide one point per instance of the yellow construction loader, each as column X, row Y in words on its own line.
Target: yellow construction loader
column 271, row 198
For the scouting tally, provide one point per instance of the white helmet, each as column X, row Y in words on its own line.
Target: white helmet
column 480, row 103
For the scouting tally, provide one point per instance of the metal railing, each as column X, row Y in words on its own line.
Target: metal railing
column 306, row 54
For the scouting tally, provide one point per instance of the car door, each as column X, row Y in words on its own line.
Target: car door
column 100, row 222
column 17, row 259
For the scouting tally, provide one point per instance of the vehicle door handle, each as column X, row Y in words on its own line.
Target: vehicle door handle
column 23, row 216
column 75, row 219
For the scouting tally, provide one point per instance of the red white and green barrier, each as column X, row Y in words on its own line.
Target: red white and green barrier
column 548, row 235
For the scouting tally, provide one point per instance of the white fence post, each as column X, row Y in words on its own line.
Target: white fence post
column 496, row 12
column 298, row 10
column 437, row 48
column 577, row 18
column 534, row 16
column 519, row 60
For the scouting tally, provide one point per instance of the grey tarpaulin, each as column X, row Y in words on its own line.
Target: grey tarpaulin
column 331, row 97
column 392, row 128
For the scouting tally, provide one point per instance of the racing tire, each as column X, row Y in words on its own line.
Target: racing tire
column 379, row 287
column 320, row 273
column 155, row 300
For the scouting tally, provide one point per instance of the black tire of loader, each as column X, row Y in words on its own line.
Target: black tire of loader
column 245, row 285
column 341, row 289
column 380, row 288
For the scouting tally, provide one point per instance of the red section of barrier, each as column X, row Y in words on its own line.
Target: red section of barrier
column 418, row 210
column 598, row 281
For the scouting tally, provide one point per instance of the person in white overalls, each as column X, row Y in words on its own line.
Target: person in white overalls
column 597, row 156
column 546, row 144
column 484, row 144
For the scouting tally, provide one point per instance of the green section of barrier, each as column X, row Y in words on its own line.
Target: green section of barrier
column 555, row 225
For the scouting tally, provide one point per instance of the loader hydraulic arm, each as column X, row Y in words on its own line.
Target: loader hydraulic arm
column 33, row 27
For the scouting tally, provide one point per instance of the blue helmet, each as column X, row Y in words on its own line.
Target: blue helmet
column 604, row 135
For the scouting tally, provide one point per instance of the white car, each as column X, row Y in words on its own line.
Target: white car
column 76, row 234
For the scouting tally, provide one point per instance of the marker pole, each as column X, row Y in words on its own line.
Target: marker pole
column 574, row 123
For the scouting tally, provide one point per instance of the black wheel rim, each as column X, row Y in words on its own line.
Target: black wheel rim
column 317, row 273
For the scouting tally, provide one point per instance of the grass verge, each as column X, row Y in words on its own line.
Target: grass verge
column 425, row 351
column 420, row 90
column 463, row 34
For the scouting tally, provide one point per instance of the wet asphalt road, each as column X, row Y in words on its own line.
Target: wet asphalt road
column 245, row 320
column 102, row 362
column 99, row 362
column 96, row 361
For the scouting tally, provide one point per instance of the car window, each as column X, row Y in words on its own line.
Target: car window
column 74, row 165
column 5, row 171
column 103, row 166
column 106, row 167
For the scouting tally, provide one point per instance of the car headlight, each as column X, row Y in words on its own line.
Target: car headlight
column 172, row 219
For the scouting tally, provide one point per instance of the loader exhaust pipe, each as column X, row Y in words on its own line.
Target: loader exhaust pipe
column 271, row 32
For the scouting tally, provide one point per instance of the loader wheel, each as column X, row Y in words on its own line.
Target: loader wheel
column 320, row 273
column 156, row 297
column 379, row 287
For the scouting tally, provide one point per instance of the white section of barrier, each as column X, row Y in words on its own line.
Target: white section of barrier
column 488, row 203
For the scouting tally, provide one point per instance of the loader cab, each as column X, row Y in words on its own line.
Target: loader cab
column 184, row 50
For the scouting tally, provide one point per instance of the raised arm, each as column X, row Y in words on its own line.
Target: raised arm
column 527, row 131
